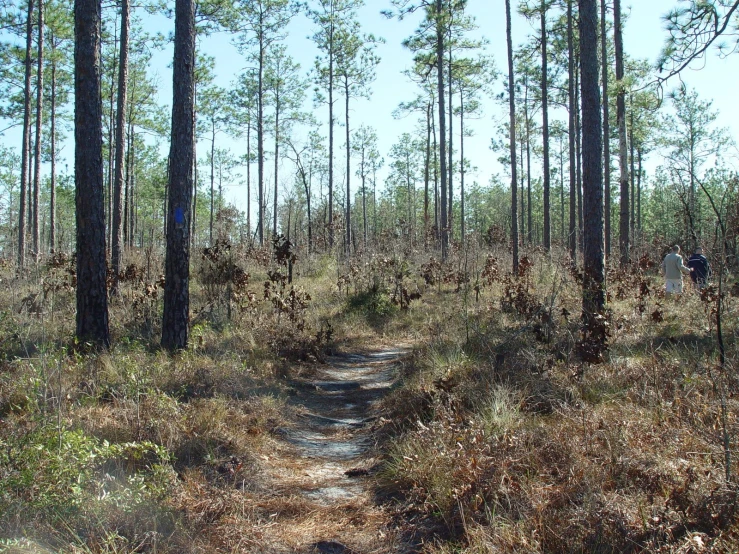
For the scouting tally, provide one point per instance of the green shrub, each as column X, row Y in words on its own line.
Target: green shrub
column 373, row 303
column 62, row 472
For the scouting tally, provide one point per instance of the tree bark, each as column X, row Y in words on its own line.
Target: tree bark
column 578, row 158
column 175, row 318
column 212, row 178
column 426, row 176
column 348, row 170
column 331, row 132
column 547, row 237
column 26, row 145
column 572, row 242
column 462, row 229
column 277, row 160
column 512, row 138
column 450, row 201
column 632, row 178
column 638, row 193
column 92, row 297
column 248, row 178
column 606, row 127
column 120, row 143
column 623, row 223
column 529, row 214
column 52, row 145
column 260, row 136
column 39, row 133
column 593, row 253
column 442, row 127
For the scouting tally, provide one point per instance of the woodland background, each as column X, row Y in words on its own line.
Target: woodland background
column 555, row 399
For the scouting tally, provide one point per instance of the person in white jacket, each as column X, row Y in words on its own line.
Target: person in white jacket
column 673, row 270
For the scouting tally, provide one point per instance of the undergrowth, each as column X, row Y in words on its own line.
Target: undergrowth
column 506, row 432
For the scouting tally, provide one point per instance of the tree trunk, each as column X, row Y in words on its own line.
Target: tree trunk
column 92, row 297
column 593, row 254
column 248, row 179
column 547, row 236
column 111, row 138
column 461, row 167
column 528, row 165
column 523, row 231
column 435, row 146
column 606, row 127
column 578, row 158
column 277, row 160
column 364, row 199
column 374, row 202
column 212, row 177
column 638, row 193
column 623, row 223
column 572, row 243
column 26, row 146
column 52, row 145
column 39, row 133
column 442, row 127
column 176, row 313
column 331, row 133
column 194, row 192
column 512, row 138
column 427, row 176
column 450, row 202
column 632, row 218
column 348, row 171
column 561, row 190
column 120, row 143
column 260, row 139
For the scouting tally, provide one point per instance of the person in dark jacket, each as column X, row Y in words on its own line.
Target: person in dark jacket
column 701, row 269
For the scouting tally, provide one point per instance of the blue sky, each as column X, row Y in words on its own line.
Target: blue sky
column 644, row 37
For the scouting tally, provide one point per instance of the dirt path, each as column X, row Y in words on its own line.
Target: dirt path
column 321, row 469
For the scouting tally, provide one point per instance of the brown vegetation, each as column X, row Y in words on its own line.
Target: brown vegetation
column 503, row 435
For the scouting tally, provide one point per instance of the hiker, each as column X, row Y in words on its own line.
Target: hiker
column 700, row 269
column 673, row 269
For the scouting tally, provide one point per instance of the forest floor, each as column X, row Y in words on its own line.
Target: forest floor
column 324, row 461
column 388, row 404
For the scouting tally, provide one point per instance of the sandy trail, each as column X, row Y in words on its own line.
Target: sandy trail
column 321, row 469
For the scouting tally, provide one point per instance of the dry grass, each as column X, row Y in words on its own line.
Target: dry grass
column 516, row 446
column 497, row 438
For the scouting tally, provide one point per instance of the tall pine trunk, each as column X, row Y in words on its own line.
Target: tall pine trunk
column 632, row 215
column 260, row 138
column 623, row 223
column 26, row 145
column 212, row 179
column 572, row 242
column 461, row 167
column 348, row 170
column 594, row 296
column 512, row 138
column 442, row 127
column 331, row 132
column 529, row 215
column 606, row 127
column 120, row 143
column 547, row 236
column 39, row 133
column 52, row 145
column 92, row 297
column 427, row 175
column 248, row 178
column 175, row 320
column 277, row 161
column 450, row 201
